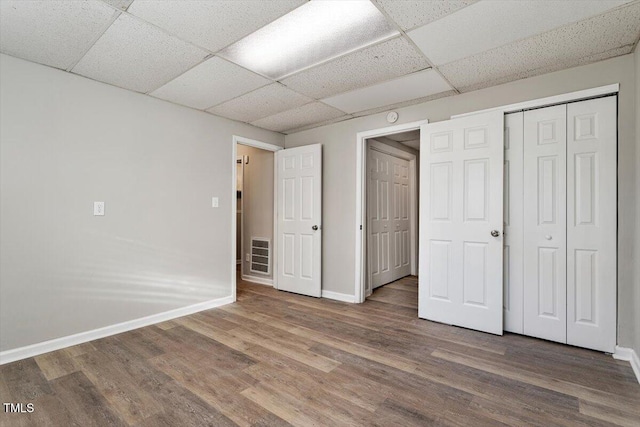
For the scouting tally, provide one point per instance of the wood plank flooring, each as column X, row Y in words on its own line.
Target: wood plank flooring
column 278, row 359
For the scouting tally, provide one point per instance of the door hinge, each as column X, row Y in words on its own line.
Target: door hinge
column 360, row 226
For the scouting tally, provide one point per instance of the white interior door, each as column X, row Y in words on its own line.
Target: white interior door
column 591, row 223
column 401, row 226
column 299, row 219
column 389, row 225
column 513, row 218
column 461, row 220
column 380, row 184
column 545, row 245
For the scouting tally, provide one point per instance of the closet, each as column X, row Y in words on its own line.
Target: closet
column 560, row 223
column 389, row 210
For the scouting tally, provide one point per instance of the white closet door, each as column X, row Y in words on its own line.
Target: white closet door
column 389, row 204
column 545, row 221
column 299, row 219
column 380, row 224
column 461, row 209
column 591, row 231
column 400, row 215
column 513, row 218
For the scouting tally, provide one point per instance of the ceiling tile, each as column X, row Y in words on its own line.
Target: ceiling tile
column 315, row 125
column 54, row 33
column 374, row 64
column 263, row 102
column 210, row 83
column 411, row 86
column 119, row 4
column 410, row 14
column 486, row 25
column 137, row 56
column 302, row 116
column 560, row 48
column 211, row 24
column 556, row 66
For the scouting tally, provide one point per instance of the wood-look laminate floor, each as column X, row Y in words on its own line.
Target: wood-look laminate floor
column 275, row 359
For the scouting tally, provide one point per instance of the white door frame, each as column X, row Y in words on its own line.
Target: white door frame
column 361, row 200
column 234, row 204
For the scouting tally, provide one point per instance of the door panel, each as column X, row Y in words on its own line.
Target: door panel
column 513, row 218
column 299, row 209
column 388, row 210
column 461, row 202
column 545, row 223
column 379, row 221
column 591, row 225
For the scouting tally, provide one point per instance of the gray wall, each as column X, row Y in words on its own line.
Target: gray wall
column 257, row 201
column 67, row 141
column 339, row 142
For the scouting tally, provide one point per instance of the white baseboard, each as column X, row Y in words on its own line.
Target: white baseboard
column 338, row 296
column 628, row 354
column 82, row 337
column 257, row 280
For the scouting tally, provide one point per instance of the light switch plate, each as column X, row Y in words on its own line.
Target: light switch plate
column 98, row 208
column 214, row 202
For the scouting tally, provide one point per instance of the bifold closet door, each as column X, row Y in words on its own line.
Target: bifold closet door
column 545, row 202
column 591, row 223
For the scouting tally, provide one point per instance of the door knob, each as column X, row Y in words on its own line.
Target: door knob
column 495, row 233
column 548, row 237
column 314, row 228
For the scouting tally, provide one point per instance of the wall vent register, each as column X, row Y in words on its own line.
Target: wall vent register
column 260, row 255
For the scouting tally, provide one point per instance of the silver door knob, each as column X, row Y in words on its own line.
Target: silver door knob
column 495, row 233
column 314, row 228
column 548, row 237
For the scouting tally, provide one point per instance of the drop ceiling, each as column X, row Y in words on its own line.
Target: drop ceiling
column 191, row 52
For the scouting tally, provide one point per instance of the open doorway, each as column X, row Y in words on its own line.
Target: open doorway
column 253, row 211
column 387, row 211
column 391, row 192
column 255, row 199
column 285, row 250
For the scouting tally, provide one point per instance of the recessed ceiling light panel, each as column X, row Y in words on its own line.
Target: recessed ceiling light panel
column 313, row 33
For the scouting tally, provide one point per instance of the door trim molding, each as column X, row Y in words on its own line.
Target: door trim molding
column 234, row 208
column 361, row 198
column 550, row 100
